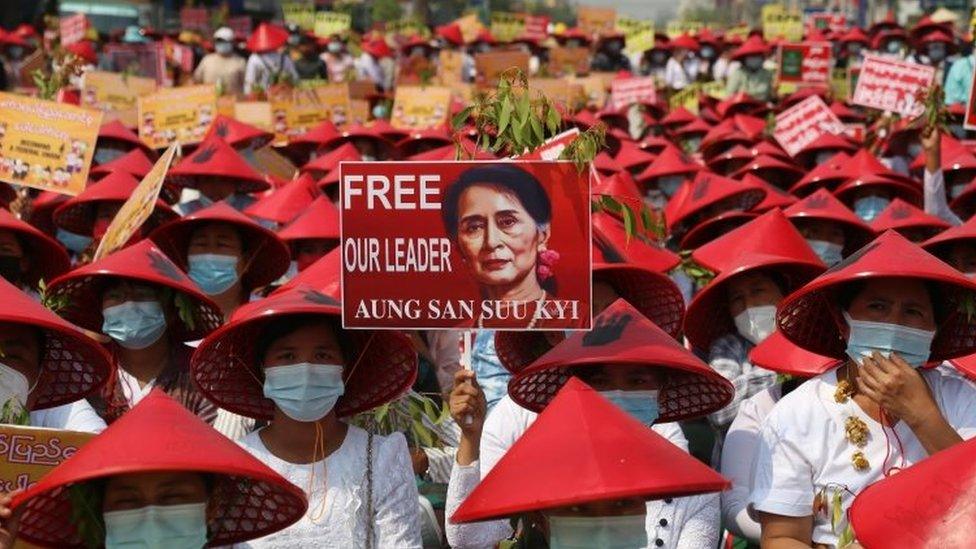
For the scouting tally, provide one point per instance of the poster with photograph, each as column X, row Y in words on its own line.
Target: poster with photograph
column 494, row 244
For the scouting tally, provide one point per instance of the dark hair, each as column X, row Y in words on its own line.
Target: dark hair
column 506, row 178
column 288, row 325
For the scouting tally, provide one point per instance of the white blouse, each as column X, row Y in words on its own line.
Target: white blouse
column 686, row 522
column 336, row 515
column 803, row 448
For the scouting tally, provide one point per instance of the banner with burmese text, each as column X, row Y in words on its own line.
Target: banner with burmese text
column 498, row 244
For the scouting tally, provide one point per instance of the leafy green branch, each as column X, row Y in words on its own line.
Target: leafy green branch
column 698, row 273
column 413, row 414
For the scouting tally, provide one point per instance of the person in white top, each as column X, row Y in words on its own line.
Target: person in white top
column 615, row 359
column 888, row 310
column 682, row 67
column 299, row 371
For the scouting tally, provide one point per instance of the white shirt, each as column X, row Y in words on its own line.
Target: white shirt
column 803, row 448
column 261, row 67
column 131, row 390
column 687, row 522
column 74, row 416
column 738, row 460
column 677, row 75
column 935, row 198
column 336, row 515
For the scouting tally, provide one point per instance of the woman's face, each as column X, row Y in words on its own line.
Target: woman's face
column 217, row 238
column 137, row 490
column 21, row 347
column 315, row 343
column 962, row 256
column 498, row 238
column 894, row 301
column 125, row 290
column 622, row 377
column 821, row 229
column 310, row 250
column 752, row 290
column 613, row 508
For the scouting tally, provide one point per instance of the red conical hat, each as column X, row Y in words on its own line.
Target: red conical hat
column 845, row 113
column 706, row 190
column 330, row 179
column 417, row 140
column 678, row 117
column 722, row 138
column 811, row 316
column 863, row 162
column 732, row 159
column 320, row 220
column 654, row 144
column 134, row 162
column 826, row 141
column 900, row 215
column 684, row 41
column 938, row 244
column 622, row 336
column 363, row 132
column 825, row 206
column 42, row 208
column 776, row 198
column 237, row 134
column 383, row 127
column 48, row 258
column 82, row 288
column 771, row 234
column 605, row 164
column 938, row 36
column 325, row 163
column 610, row 234
column 771, row 170
column 226, row 369
column 266, row 38
column 215, row 158
column 909, row 192
column 72, row 364
column 695, row 127
column 248, row 500
column 267, row 255
column 287, row 202
column 927, row 506
column 632, row 157
column 740, row 102
column 827, row 175
column 77, row 215
column 451, row 32
column 781, row 355
column 469, row 151
column 714, row 227
column 316, row 136
column 671, row 161
column 116, row 131
column 855, row 34
column 620, row 186
column 752, row 46
column 572, row 454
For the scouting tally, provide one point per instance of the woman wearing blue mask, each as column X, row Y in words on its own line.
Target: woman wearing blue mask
column 27, row 255
column 286, row 361
column 159, row 477
column 115, row 141
column 887, row 312
column 829, row 227
column 225, row 253
column 633, row 364
column 665, row 175
column 145, row 307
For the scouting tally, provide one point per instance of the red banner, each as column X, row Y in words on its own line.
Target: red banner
column 624, row 93
column 536, row 27
column 73, row 28
column 241, row 25
column 497, row 244
column 804, row 122
column 195, row 19
column 806, row 63
column 891, row 85
column 833, row 22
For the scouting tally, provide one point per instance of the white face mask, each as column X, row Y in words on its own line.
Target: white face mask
column 13, row 386
column 756, row 323
column 623, row 532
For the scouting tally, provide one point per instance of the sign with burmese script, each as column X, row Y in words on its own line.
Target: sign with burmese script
column 892, row 85
column 28, row 453
column 499, row 244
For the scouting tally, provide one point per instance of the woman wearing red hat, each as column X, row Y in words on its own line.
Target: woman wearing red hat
column 158, row 477
column 312, row 234
column 269, row 62
column 147, row 308
column 635, row 365
column 886, row 311
column 751, row 77
column 829, row 227
column 219, row 173
column 114, row 141
column 682, row 67
column 286, row 360
column 27, row 255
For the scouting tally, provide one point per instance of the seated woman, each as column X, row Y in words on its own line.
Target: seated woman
column 225, row 253
column 219, row 174
column 48, row 367
column 597, row 496
column 146, row 308
column 27, row 255
column 636, row 366
column 887, row 311
column 294, row 367
column 159, row 477
column 829, row 227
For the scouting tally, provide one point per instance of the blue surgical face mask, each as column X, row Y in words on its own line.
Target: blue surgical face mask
column 756, row 323
column 828, row 252
column 668, row 184
column 380, row 111
column 691, row 144
column 894, row 46
column 224, row 48
column 914, row 149
column 103, row 155
column 868, row 207
column 911, row 344
column 854, row 49
column 937, row 52
column 822, row 156
column 183, row 526
column 77, row 243
column 134, row 324
column 620, row 532
column 15, row 52
column 754, row 62
column 304, row 392
column 334, row 47
column 213, row 273
column 707, row 52
column 641, row 405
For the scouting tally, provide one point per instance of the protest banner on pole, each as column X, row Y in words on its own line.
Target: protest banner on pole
column 328, row 23
column 416, row 107
column 295, row 110
column 625, row 92
column 73, row 28
column 777, row 22
column 299, row 12
column 598, row 21
column 427, row 266
column 46, row 145
column 176, row 115
column 137, row 208
column 892, row 85
column 807, row 63
column 29, row 453
column 115, row 94
column 804, row 122
column 491, row 65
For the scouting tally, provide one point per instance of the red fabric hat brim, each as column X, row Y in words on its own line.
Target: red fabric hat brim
column 286, row 202
column 423, row 140
column 909, row 193
column 715, row 227
column 325, row 163
column 938, row 244
column 689, row 212
column 79, row 216
column 214, row 158
column 48, row 259
column 134, row 163
column 319, row 221
column 780, row 355
column 238, row 134
column 267, row 38
column 900, row 216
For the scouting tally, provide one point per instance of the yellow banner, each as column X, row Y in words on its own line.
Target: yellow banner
column 594, row 88
column 638, row 34
column 115, row 94
column 559, row 90
column 299, row 12
column 506, row 26
column 416, row 108
column 740, row 31
column 686, row 97
column 46, row 145
column 406, row 27
column 29, row 453
column 569, row 61
column 714, row 89
column 596, row 20
column 449, row 65
column 255, row 113
column 470, row 27
column 293, row 110
column 677, row 28
column 176, row 115
column 777, row 22
column 328, row 23
column 137, row 208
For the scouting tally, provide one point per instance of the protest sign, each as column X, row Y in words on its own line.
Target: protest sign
column 594, row 88
column 638, row 34
column 46, row 145
column 969, row 120
column 407, row 26
column 677, row 28
column 416, row 107
column 825, row 21
column 73, row 28
column 241, row 25
column 115, row 94
column 328, row 23
column 195, row 19
column 299, row 12
column 599, row 21
column 536, row 28
column 148, row 60
column 626, row 92
column 739, row 31
column 137, row 208
column 295, row 110
column 491, row 65
column 29, row 453
column 176, row 114
column 777, row 22
column 553, row 148
column 892, row 85
column 428, row 267
column 561, row 91
column 807, row 63
column 268, row 160
column 255, row 113
column 569, row 61
column 470, row 27
column 507, row 26
column 686, row 97
column 449, row 65
column 804, row 122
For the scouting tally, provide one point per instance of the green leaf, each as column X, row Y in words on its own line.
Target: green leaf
column 460, row 118
column 537, row 130
column 505, row 116
column 628, row 221
column 836, row 511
